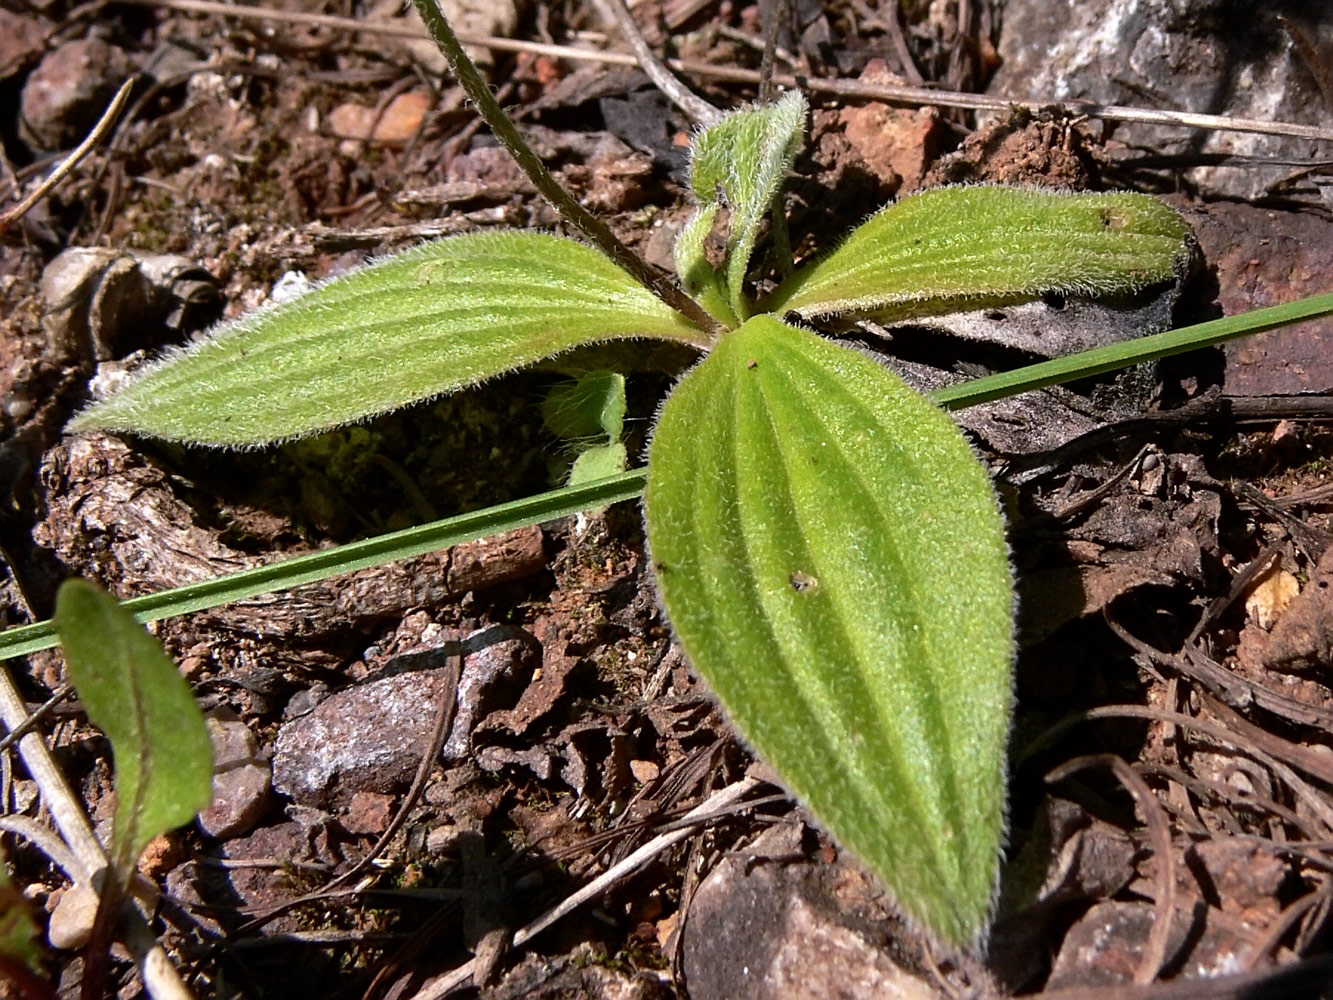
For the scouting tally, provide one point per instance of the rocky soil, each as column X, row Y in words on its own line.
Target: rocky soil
column 1172, row 757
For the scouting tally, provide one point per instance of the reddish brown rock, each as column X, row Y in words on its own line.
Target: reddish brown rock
column 66, row 95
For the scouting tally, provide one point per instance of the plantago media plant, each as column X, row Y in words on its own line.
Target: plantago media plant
column 827, row 546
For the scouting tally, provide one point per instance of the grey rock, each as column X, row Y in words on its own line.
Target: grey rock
column 66, row 94
column 766, row 929
column 1209, row 56
column 242, row 782
column 369, row 738
column 493, row 674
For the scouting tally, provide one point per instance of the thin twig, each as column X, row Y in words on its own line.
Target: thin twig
column 779, row 13
column 444, row 718
column 691, row 104
column 910, row 96
column 30, row 723
column 103, row 126
column 1283, row 923
column 1318, row 804
column 48, row 842
column 1154, row 950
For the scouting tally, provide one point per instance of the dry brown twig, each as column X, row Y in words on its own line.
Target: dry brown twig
column 911, row 96
column 718, row 804
column 1159, row 830
column 57, row 175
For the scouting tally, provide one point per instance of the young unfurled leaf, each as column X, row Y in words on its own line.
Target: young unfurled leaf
column 599, row 462
column 133, row 693
column 590, row 409
column 832, row 558
column 741, row 161
column 434, row 319
column 958, row 248
column 590, row 405
column 700, row 279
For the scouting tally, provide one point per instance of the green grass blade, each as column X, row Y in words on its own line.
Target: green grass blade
column 1100, row 360
column 434, row 319
column 134, row 694
column 832, row 558
column 441, row 534
column 355, row 555
column 956, row 248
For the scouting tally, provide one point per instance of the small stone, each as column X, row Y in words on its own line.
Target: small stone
column 398, row 122
column 644, row 771
column 775, row 932
column 162, row 854
column 897, row 144
column 69, row 91
column 368, row 813
column 20, row 43
column 369, row 738
column 72, row 920
column 1269, row 597
column 241, row 779
column 492, row 674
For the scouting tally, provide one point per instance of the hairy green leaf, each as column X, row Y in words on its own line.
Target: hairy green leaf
column 700, row 279
column 741, row 162
column 831, row 555
column 598, row 462
column 133, row 693
column 590, row 411
column 437, row 318
column 592, row 404
column 972, row 247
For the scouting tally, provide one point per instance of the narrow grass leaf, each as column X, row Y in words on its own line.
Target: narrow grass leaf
column 957, row 248
column 831, row 555
column 428, row 321
column 1111, row 357
column 325, row 563
column 288, row 573
column 133, row 693
column 741, row 162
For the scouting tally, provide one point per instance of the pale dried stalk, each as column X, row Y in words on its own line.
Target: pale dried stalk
column 99, row 131
column 716, row 804
column 159, row 975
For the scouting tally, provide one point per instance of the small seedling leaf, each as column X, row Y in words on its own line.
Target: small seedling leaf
column 832, row 558
column 133, row 693
column 419, row 324
column 599, row 462
column 742, row 161
column 957, row 248
column 592, row 404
